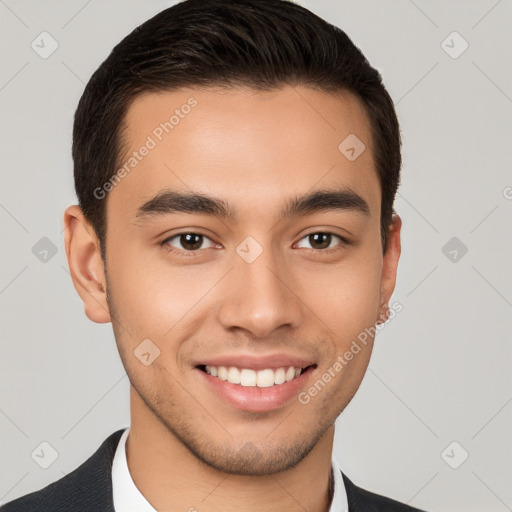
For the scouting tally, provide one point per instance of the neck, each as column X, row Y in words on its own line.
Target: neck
column 170, row 477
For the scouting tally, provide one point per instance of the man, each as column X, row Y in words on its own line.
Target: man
column 236, row 164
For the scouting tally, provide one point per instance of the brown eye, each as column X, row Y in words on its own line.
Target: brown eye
column 191, row 241
column 322, row 240
column 187, row 242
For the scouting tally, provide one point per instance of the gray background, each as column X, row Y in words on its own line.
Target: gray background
column 440, row 371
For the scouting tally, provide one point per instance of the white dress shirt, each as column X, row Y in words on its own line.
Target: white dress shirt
column 127, row 498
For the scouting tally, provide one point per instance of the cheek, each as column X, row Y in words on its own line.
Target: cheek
column 152, row 296
column 346, row 296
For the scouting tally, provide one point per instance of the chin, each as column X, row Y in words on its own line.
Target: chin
column 258, row 458
column 253, row 461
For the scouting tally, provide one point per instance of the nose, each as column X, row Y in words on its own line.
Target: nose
column 259, row 297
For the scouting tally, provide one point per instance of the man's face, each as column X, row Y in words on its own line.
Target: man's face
column 252, row 290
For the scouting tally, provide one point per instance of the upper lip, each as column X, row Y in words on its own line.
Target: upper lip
column 252, row 362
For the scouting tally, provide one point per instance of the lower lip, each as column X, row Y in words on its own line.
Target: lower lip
column 253, row 398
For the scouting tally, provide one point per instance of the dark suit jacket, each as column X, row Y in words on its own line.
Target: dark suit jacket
column 89, row 489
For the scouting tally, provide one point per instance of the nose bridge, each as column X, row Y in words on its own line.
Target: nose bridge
column 259, row 299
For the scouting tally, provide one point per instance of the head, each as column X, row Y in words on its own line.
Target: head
column 263, row 132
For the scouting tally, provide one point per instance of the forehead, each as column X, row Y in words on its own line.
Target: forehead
column 252, row 148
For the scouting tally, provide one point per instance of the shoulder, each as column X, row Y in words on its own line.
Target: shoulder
column 361, row 500
column 87, row 488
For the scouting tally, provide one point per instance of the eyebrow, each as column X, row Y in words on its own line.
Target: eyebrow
column 169, row 201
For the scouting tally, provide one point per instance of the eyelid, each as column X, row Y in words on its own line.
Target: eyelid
column 165, row 243
column 343, row 239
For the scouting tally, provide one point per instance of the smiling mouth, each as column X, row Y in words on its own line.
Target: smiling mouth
column 246, row 377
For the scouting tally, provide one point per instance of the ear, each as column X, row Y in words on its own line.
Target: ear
column 85, row 264
column 389, row 267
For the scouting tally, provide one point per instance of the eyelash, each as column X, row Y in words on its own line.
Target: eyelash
column 170, row 249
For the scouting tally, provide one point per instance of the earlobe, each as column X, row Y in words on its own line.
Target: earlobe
column 383, row 313
column 85, row 264
column 389, row 267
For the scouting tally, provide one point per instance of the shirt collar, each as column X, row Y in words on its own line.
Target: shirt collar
column 127, row 498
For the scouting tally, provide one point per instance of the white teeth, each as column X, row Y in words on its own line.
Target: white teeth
column 233, row 375
column 222, row 372
column 247, row 377
column 251, row 378
column 279, row 377
column 265, row 378
column 212, row 370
